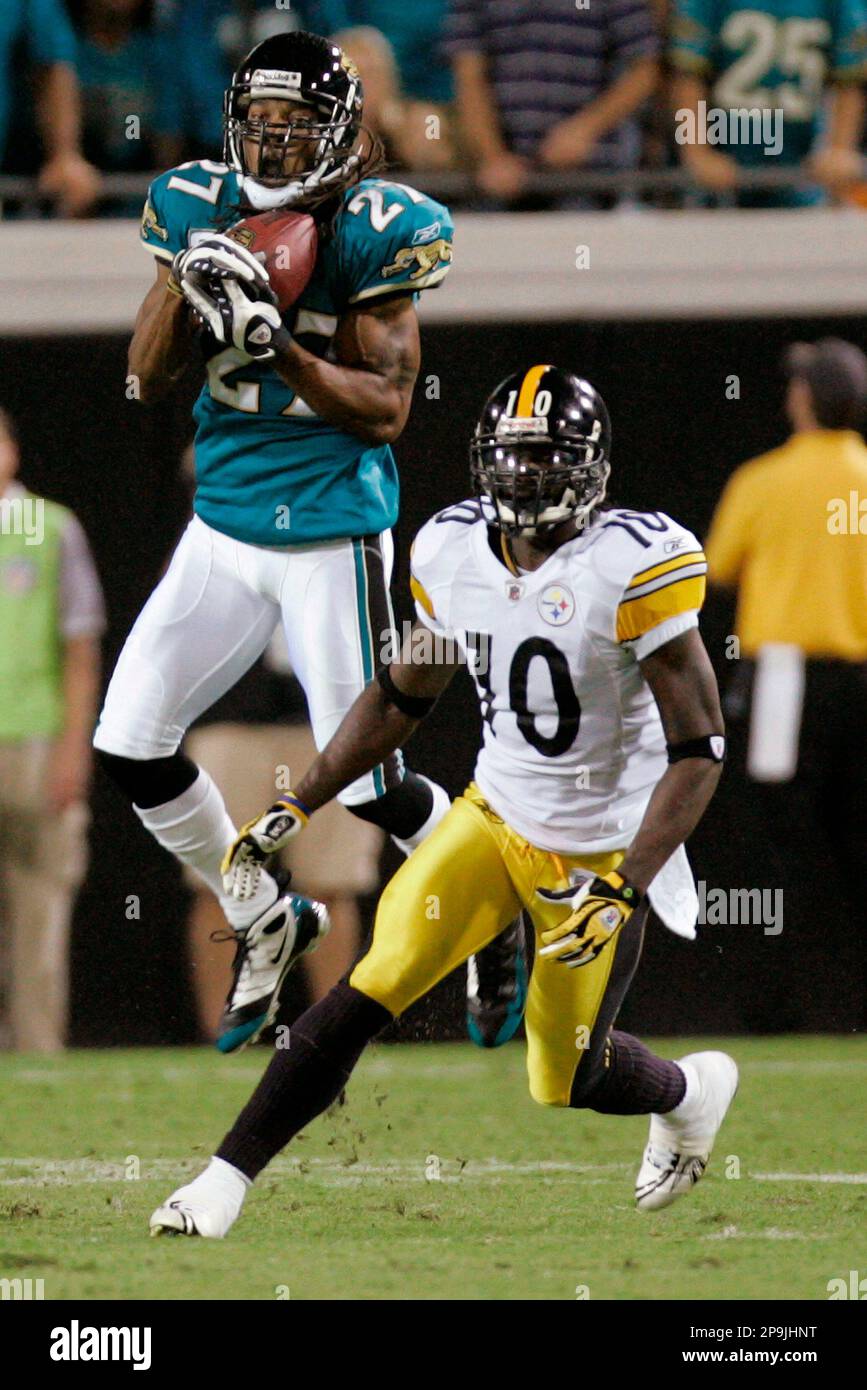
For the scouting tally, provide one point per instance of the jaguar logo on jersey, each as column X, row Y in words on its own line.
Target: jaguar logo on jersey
column 556, row 605
column 426, row 257
column 149, row 223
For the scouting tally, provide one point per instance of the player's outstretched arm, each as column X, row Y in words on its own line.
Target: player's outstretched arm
column 684, row 686
column 368, row 390
column 382, row 718
column 160, row 347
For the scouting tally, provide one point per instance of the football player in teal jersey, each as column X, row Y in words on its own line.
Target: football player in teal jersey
column 779, row 57
column 296, row 483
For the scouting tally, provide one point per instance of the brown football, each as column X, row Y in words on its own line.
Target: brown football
column 289, row 242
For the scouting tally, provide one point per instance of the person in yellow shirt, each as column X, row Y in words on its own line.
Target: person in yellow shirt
column 790, row 537
column 790, row 532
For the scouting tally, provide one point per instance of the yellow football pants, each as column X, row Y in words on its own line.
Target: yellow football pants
column 454, row 894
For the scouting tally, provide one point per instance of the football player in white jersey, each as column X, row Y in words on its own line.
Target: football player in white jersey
column 603, row 743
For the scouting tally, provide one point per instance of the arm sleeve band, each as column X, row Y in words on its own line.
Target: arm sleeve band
column 712, row 746
column 413, row 706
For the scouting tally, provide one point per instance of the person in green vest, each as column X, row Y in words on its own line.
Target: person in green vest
column 51, row 620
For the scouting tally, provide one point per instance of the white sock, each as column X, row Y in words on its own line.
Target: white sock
column 441, row 804
column 691, row 1096
column 227, row 1176
column 197, row 828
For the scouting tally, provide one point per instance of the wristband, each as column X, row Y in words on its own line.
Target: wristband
column 293, row 803
column 712, row 746
column 414, row 706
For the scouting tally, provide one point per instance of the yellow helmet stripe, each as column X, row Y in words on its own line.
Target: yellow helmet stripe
column 529, row 387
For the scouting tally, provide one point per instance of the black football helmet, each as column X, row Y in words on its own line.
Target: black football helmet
column 306, row 69
column 541, row 450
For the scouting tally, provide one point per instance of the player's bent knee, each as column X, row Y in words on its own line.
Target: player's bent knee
column 403, row 810
column 543, row 1092
column 149, row 782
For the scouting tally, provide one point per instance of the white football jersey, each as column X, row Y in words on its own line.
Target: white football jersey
column 573, row 742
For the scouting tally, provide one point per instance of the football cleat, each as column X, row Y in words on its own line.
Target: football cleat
column 208, row 1206
column 264, row 955
column 679, row 1147
column 497, row 987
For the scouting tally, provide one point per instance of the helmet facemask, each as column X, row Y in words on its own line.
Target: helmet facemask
column 321, row 127
column 536, row 484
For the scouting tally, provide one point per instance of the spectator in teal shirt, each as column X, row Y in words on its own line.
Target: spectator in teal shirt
column 800, row 62
column 39, row 33
column 407, row 81
column 124, row 68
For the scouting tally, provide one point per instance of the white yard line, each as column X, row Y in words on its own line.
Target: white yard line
column 809, row 1177
column 70, row 1172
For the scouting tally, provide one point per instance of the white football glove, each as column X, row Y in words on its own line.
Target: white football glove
column 256, row 841
column 250, row 323
column 229, row 289
column 215, row 256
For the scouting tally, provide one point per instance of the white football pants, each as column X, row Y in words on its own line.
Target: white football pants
column 212, row 616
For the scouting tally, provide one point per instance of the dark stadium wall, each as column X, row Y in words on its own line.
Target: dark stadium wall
column 689, row 402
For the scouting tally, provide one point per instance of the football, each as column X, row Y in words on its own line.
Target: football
column 287, row 243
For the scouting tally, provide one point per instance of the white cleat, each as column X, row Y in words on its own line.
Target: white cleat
column 265, row 953
column 208, row 1206
column 680, row 1143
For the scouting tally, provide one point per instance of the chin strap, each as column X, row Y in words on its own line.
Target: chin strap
column 319, row 184
column 266, row 199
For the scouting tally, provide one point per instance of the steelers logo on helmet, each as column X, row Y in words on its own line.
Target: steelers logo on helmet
column 292, row 120
column 541, row 450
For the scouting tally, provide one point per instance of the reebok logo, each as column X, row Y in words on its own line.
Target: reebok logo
column 77, row 1343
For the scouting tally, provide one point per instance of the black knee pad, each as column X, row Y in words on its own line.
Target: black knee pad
column 150, row 782
column 401, row 811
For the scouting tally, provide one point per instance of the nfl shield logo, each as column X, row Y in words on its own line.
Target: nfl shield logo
column 514, row 592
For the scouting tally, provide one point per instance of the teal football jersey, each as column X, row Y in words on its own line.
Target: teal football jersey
column 268, row 470
column 774, row 54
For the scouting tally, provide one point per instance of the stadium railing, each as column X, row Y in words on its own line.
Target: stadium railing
column 22, row 195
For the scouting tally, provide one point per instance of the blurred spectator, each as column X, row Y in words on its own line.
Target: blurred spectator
column 407, row 83
column 257, row 729
column 51, row 618
column 123, row 70
column 36, row 42
column 550, row 85
column 395, row 46
column 790, row 59
column 206, row 40
column 790, row 535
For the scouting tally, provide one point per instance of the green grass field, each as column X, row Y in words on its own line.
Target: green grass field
column 529, row 1203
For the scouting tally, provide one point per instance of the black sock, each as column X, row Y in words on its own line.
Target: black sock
column 304, row 1078
column 635, row 1081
